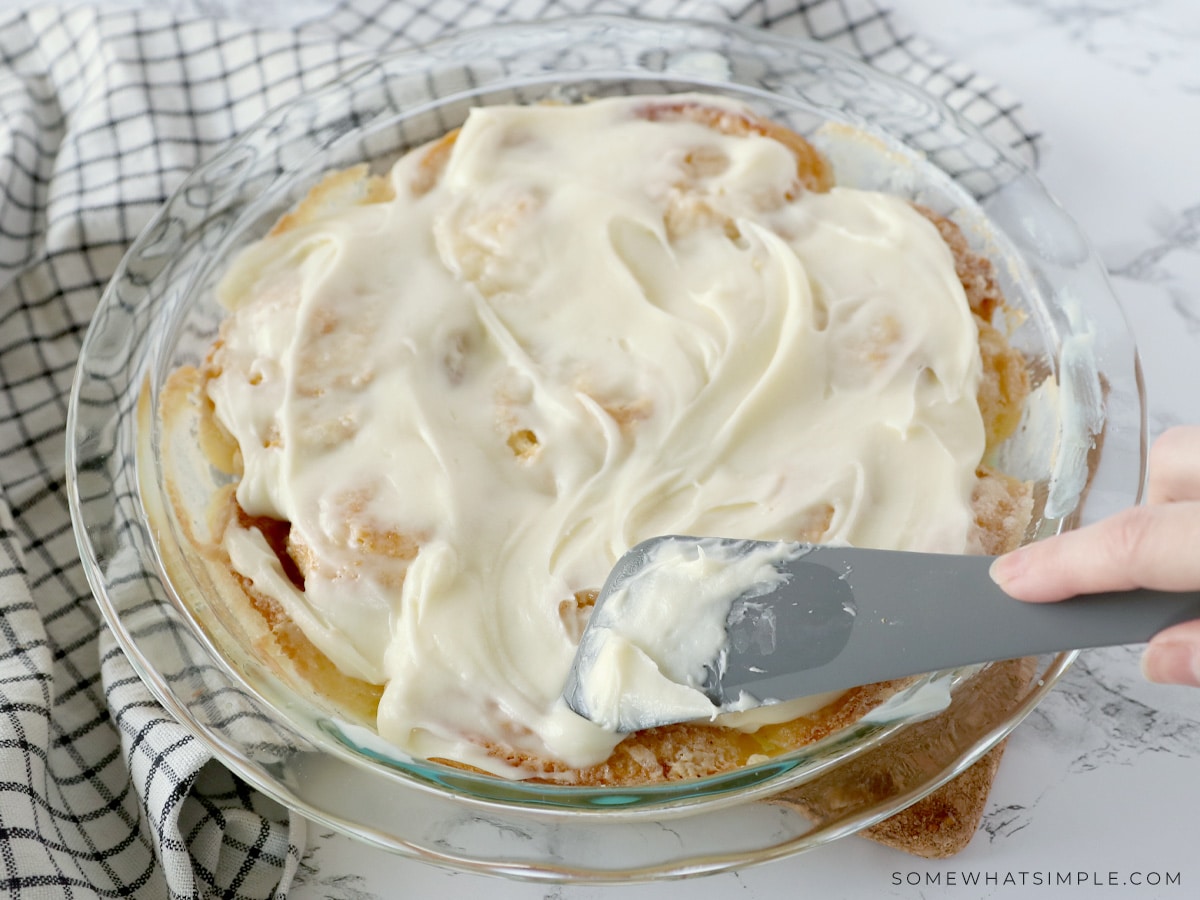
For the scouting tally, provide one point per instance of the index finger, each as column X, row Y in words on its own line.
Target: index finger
column 1148, row 546
column 1175, row 465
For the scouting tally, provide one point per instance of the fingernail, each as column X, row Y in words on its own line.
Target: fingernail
column 1005, row 569
column 1167, row 662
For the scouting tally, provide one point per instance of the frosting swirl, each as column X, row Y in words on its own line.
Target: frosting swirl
column 591, row 329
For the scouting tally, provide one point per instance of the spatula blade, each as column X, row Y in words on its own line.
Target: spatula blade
column 832, row 618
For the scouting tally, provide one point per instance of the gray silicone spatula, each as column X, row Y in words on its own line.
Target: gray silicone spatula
column 834, row 618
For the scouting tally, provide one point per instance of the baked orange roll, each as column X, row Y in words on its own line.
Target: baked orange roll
column 450, row 396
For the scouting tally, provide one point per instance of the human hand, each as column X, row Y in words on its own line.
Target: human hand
column 1156, row 545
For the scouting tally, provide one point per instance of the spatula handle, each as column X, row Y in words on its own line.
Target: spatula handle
column 918, row 612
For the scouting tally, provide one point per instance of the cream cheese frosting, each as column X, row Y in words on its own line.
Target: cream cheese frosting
column 595, row 328
column 656, row 636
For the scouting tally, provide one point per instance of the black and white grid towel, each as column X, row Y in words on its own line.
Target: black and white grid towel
column 102, row 111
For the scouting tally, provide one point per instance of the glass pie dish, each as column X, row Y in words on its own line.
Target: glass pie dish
column 1082, row 445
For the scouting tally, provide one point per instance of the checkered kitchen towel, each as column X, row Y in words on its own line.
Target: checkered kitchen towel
column 102, row 112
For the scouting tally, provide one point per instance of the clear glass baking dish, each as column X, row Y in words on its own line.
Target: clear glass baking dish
column 1083, row 444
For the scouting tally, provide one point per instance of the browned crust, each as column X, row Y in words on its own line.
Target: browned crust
column 283, row 640
column 275, row 640
column 1005, row 382
column 812, row 169
column 944, row 822
column 332, row 194
column 433, row 163
column 692, row 750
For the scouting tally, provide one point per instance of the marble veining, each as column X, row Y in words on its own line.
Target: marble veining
column 1142, row 37
column 1102, row 713
column 1005, row 821
column 1172, row 262
column 331, row 884
column 1177, row 232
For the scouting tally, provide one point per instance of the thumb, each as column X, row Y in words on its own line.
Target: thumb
column 1173, row 655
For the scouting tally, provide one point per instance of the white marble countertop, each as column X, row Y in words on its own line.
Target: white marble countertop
column 1102, row 783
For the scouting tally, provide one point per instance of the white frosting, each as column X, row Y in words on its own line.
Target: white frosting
column 653, row 638
column 695, row 343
